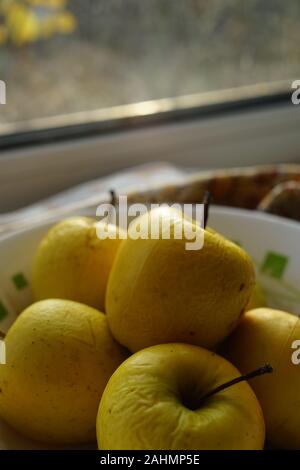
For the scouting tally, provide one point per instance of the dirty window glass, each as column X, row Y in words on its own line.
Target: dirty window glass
column 60, row 56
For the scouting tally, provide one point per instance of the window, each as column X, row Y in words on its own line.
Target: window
column 60, row 57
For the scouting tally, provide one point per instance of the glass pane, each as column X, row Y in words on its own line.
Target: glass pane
column 59, row 56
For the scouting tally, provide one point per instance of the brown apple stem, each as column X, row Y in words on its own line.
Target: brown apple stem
column 206, row 201
column 113, row 197
column 2, row 335
column 266, row 369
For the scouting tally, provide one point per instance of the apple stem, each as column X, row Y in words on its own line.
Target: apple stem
column 266, row 369
column 113, row 197
column 206, row 201
column 2, row 335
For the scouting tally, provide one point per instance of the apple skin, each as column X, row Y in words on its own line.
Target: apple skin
column 158, row 292
column 258, row 298
column 143, row 408
column 59, row 357
column 265, row 336
column 71, row 262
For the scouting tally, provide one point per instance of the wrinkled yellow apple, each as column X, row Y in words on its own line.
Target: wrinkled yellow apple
column 159, row 292
column 153, row 401
column 60, row 355
column 73, row 263
column 266, row 335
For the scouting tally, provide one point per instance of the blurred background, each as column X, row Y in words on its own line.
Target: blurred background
column 95, row 86
column 60, row 56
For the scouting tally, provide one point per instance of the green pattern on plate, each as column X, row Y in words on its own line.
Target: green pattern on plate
column 3, row 311
column 274, row 264
column 20, row 281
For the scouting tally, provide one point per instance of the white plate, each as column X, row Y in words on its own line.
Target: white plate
column 272, row 242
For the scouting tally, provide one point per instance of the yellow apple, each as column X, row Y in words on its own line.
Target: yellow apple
column 60, row 355
column 73, row 263
column 266, row 335
column 154, row 401
column 159, row 291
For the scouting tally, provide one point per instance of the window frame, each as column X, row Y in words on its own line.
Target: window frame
column 101, row 122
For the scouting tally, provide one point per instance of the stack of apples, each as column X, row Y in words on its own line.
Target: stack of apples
column 129, row 342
